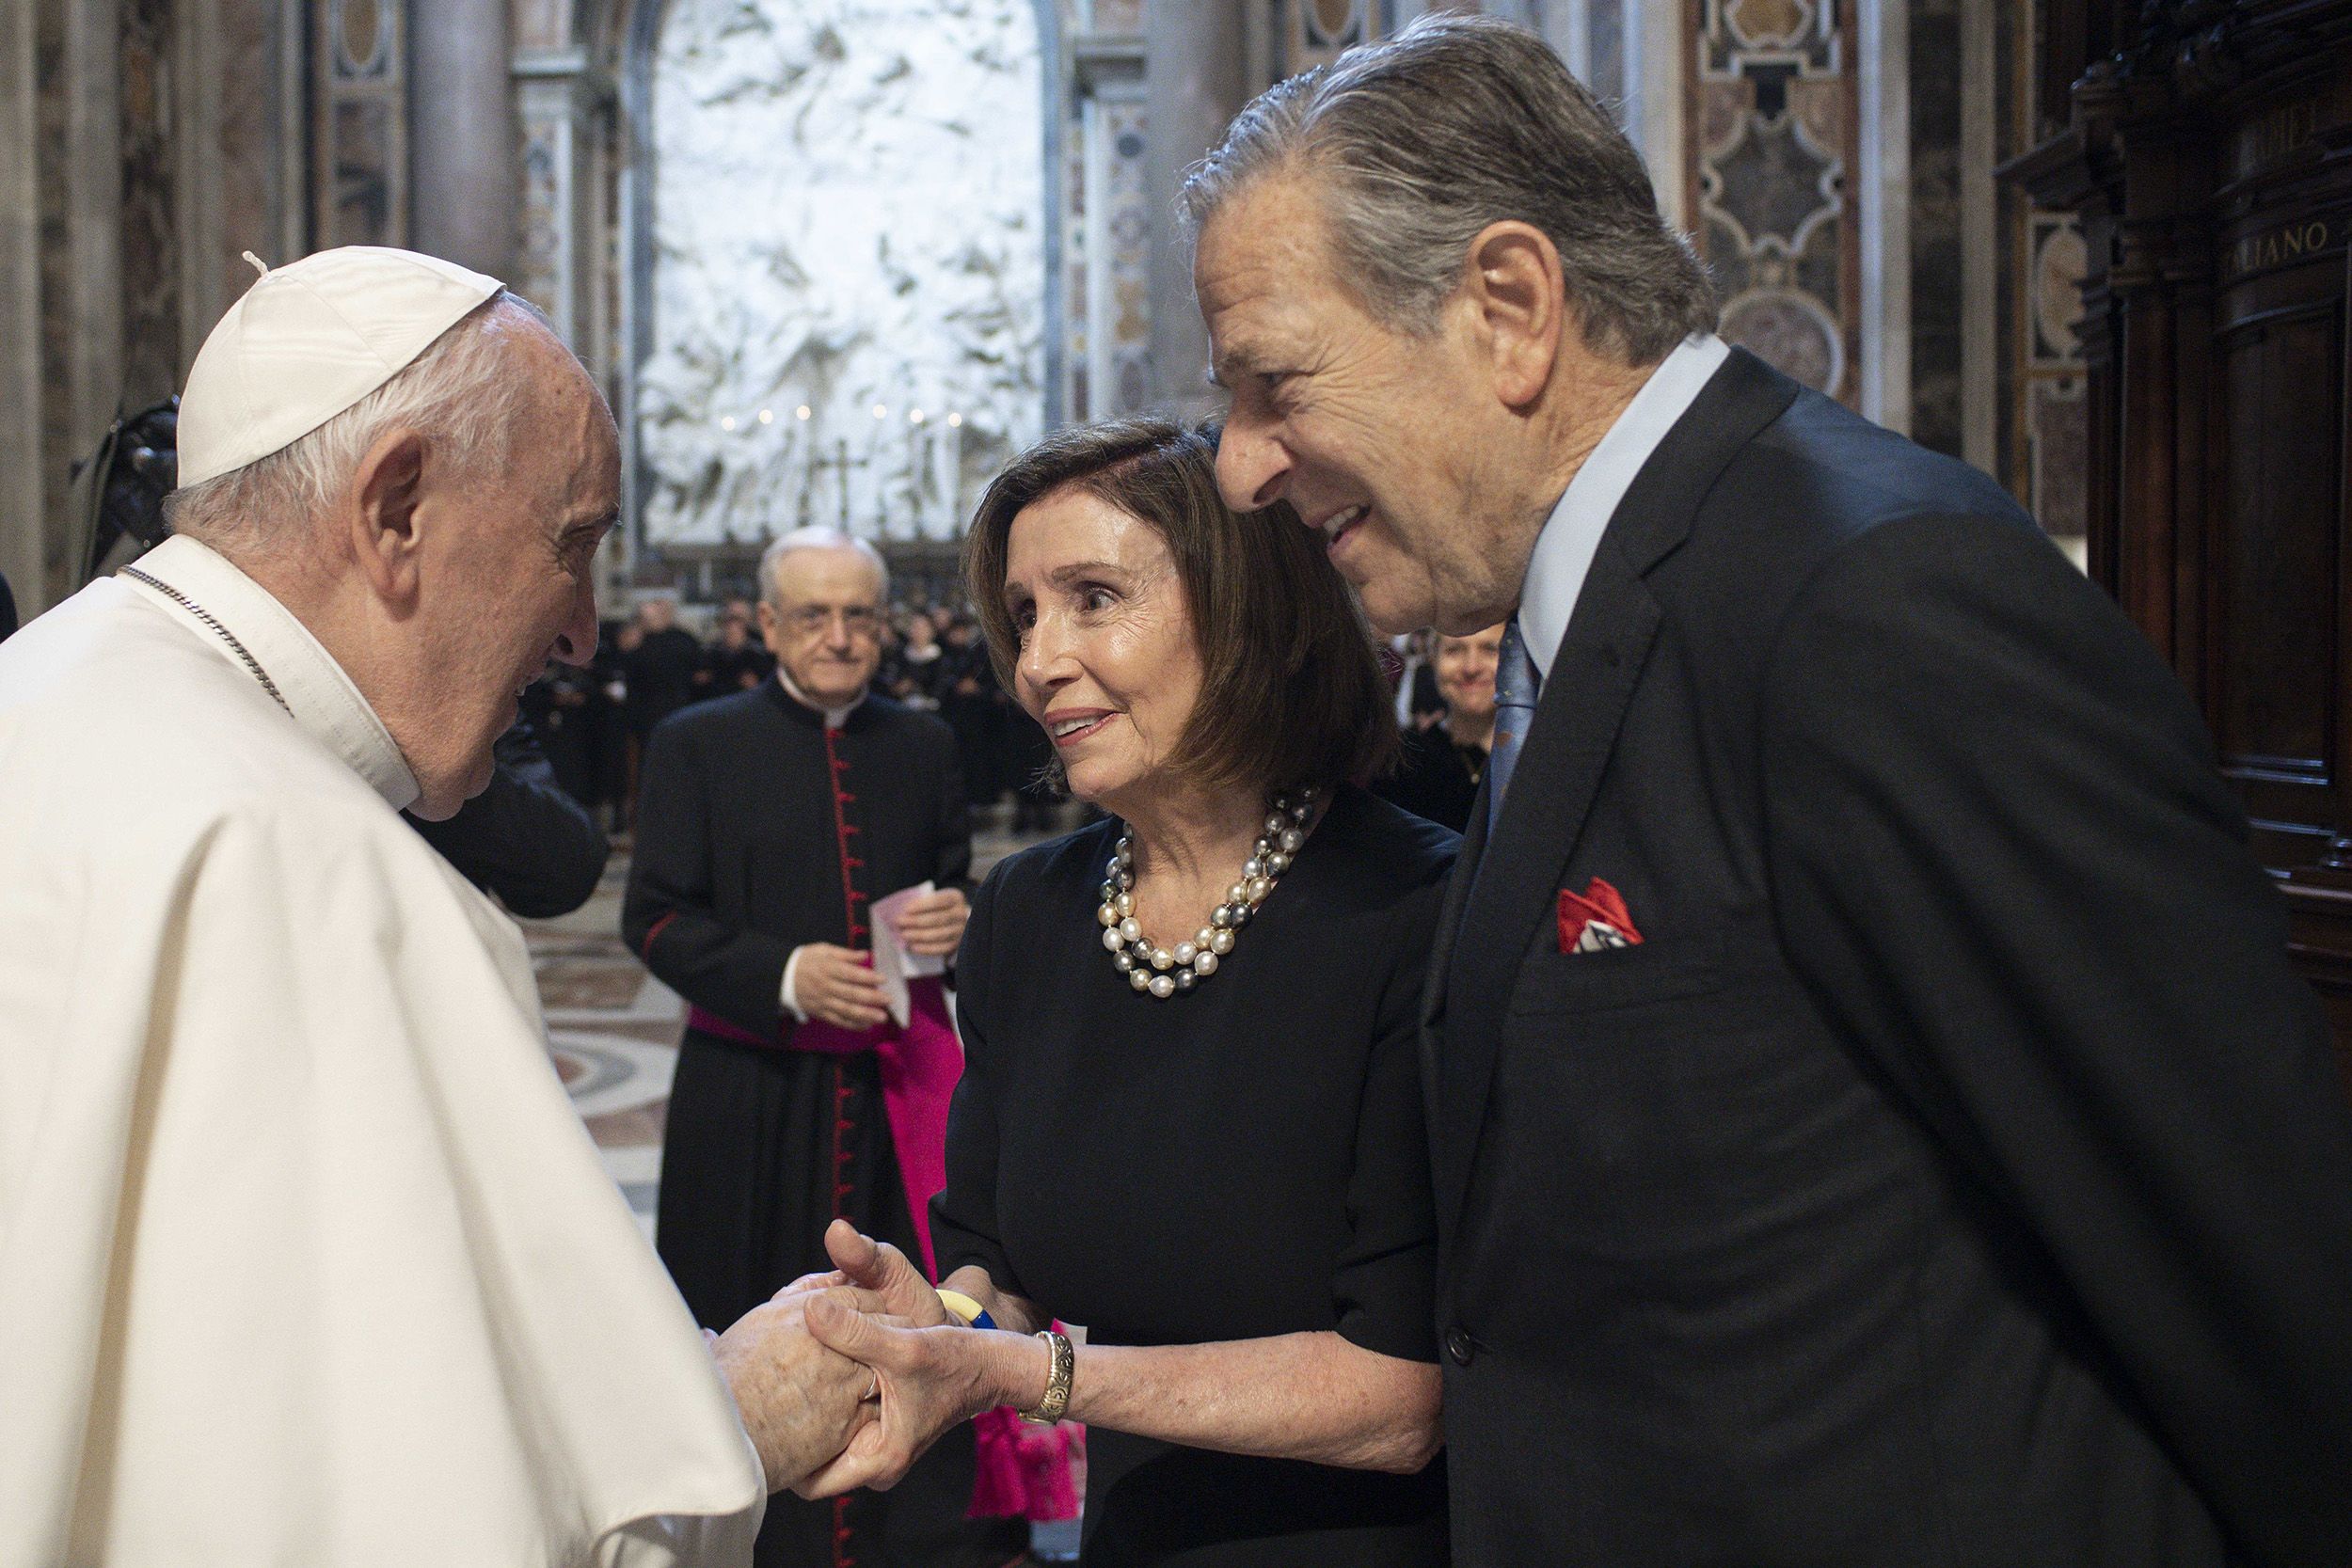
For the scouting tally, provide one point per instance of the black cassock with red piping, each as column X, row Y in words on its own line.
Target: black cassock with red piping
column 761, row 827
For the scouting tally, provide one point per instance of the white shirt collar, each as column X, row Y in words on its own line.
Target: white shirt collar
column 835, row 717
column 318, row 694
column 1565, row 550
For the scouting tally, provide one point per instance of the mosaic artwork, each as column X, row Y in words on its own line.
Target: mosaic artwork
column 1771, row 132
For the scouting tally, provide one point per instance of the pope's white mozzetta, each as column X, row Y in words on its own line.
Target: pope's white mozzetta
column 304, row 1256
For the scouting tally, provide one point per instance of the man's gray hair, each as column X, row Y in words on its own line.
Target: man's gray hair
column 1420, row 143
column 819, row 539
column 464, row 391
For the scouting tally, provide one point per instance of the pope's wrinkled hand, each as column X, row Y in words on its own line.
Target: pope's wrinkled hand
column 802, row 1403
column 931, row 1380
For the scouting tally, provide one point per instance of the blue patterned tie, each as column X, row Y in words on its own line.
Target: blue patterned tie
column 1515, row 687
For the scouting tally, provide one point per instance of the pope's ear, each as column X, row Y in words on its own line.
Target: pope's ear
column 385, row 490
column 1518, row 288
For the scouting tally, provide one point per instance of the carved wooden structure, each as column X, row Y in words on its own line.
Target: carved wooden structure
column 2208, row 146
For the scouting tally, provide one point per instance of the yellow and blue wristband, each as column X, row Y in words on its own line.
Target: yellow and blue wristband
column 964, row 1310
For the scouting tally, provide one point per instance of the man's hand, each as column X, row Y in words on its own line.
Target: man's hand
column 931, row 1379
column 837, row 985
column 801, row 1402
column 933, row 924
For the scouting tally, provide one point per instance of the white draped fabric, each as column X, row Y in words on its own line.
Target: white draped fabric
column 304, row 1256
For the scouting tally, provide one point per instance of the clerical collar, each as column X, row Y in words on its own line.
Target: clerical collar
column 835, row 717
column 313, row 688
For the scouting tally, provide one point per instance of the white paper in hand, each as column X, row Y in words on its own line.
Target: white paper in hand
column 892, row 964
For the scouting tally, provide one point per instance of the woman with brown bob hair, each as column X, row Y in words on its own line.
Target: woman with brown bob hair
column 1190, row 1117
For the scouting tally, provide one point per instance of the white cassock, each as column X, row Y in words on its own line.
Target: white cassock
column 304, row 1256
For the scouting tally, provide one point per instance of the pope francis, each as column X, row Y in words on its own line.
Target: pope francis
column 304, row 1256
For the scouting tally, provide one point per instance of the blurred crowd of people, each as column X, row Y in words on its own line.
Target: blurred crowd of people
column 595, row 721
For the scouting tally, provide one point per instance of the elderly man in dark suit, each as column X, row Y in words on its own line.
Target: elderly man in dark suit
column 1874, row 1119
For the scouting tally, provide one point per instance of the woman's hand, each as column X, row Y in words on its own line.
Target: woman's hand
column 878, row 1275
column 932, row 1380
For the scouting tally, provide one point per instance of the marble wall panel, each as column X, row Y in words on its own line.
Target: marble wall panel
column 22, row 519
column 60, row 435
column 1119, row 280
column 151, row 232
column 1605, row 59
column 246, row 184
column 1936, row 239
column 1770, row 117
column 849, row 211
column 542, row 261
column 1077, row 325
column 1116, row 16
column 2043, row 429
column 359, row 169
column 541, row 24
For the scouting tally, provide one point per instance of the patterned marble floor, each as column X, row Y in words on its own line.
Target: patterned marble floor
column 614, row 1028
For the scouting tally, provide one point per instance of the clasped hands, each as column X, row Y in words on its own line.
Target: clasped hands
column 845, row 1378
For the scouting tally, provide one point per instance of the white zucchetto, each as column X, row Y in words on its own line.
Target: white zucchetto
column 307, row 342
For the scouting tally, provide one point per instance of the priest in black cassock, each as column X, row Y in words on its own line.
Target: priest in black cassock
column 769, row 825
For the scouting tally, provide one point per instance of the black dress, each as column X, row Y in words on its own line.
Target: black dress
column 1243, row 1160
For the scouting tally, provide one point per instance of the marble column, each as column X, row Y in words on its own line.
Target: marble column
column 21, row 509
column 1883, row 205
column 241, row 170
column 464, row 189
column 1194, row 83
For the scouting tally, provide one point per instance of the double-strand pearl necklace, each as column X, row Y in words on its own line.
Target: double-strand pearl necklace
column 1162, row 972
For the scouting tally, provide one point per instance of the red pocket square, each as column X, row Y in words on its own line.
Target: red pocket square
column 1595, row 920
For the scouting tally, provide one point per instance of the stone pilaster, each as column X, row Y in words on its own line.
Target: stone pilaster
column 1195, row 82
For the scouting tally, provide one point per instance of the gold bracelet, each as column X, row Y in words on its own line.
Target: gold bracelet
column 1056, row 1399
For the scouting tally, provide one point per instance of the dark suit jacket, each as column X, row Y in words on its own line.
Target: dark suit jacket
column 523, row 837
column 1957, row 1173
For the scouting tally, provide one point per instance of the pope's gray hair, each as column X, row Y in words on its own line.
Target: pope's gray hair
column 465, row 392
column 1416, row 145
column 819, row 539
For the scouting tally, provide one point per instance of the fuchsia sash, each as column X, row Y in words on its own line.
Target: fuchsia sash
column 1022, row 1471
column 919, row 1064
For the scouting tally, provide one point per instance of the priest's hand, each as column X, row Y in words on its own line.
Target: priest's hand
column 837, row 984
column 933, row 925
column 931, row 1380
column 802, row 1403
